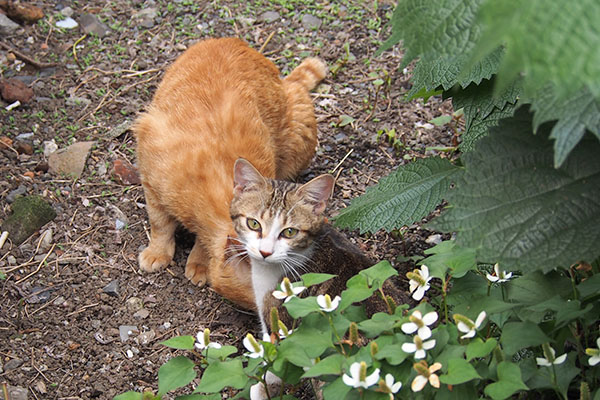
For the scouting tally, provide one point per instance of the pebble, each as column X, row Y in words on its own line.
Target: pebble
column 39, row 294
column 246, row 21
column 146, row 337
column 13, row 364
column 269, row 16
column 311, row 22
column 70, row 160
column 112, row 288
column 7, row 25
column 129, row 353
column 141, row 314
column 125, row 173
column 67, row 12
column 11, row 260
column 46, row 239
column 13, row 90
column 91, row 24
column 67, row 23
column 29, row 214
column 126, row 330
column 434, row 239
column 134, row 303
column 23, row 148
column 21, row 190
column 145, row 17
column 50, row 147
column 17, row 392
column 25, row 136
column 77, row 101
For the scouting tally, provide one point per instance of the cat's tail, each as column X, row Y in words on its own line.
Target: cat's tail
column 309, row 73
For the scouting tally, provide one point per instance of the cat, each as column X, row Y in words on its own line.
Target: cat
column 219, row 101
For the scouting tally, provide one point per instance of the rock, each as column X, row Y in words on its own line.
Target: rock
column 67, row 23
column 91, row 24
column 146, row 17
column 246, row 21
column 50, row 147
column 269, row 16
column 146, row 338
column 127, row 330
column 25, row 136
column 12, row 260
column 17, row 393
column 46, row 238
column 21, row 190
column 134, row 303
column 21, row 11
column 15, row 90
column 29, row 214
column 434, row 239
column 39, row 294
column 310, row 22
column 119, row 129
column 112, row 288
column 13, row 364
column 75, row 101
column 7, row 26
column 71, row 160
column 141, row 314
column 67, row 12
column 125, row 173
column 23, row 148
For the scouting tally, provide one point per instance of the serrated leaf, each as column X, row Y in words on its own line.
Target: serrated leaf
column 175, row 373
column 459, row 371
column 509, row 382
column 518, row 335
column 403, row 197
column 573, row 116
column 313, row 278
column 479, row 127
column 223, row 374
column 544, row 43
column 515, row 208
column 180, row 342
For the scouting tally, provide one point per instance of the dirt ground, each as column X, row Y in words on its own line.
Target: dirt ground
column 63, row 333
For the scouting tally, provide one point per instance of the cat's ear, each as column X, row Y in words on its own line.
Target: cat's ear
column 318, row 191
column 244, row 175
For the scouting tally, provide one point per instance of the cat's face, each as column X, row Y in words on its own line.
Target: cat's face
column 277, row 221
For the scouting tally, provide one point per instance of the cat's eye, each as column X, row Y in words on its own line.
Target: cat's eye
column 253, row 224
column 289, row 233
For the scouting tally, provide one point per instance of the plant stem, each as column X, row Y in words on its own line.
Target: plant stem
column 337, row 336
column 573, row 284
column 445, row 305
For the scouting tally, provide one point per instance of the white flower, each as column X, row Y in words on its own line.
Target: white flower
column 425, row 374
column 594, row 354
column 326, row 304
column 256, row 350
column 390, row 386
column 283, row 330
column 203, row 341
column 358, row 376
column 418, row 282
column 467, row 326
column 287, row 291
column 499, row 275
column 549, row 357
column 419, row 324
column 418, row 347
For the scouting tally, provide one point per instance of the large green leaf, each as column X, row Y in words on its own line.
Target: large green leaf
column 175, row 373
column 518, row 335
column 403, row 197
column 548, row 42
column 515, row 208
column 459, row 371
column 223, row 374
column 574, row 115
column 509, row 382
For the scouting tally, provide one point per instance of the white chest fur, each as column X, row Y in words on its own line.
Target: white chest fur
column 265, row 278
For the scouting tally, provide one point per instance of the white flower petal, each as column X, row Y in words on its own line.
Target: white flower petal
column 594, row 360
column 469, row 334
column 507, row 275
column 425, row 272
column 373, row 378
column 417, row 314
column 598, row 342
column 349, row 381
column 497, row 269
column 419, row 293
column 409, row 347
column 492, row 278
column 409, row 327
column 430, row 318
column 480, row 319
column 428, row 345
column 542, row 362
column 278, row 294
column 561, row 359
column 355, row 371
column 298, row 290
column 418, row 383
column 413, row 285
column 214, row 345
column 463, row 327
column 424, row 332
column 420, row 354
column 321, row 301
column 396, row 387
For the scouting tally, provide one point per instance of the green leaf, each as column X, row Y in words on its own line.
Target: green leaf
column 345, row 120
column 447, row 255
column 459, row 371
column 497, row 209
column 219, row 375
column 518, row 335
column 301, row 307
column 175, row 373
column 336, row 390
column 378, row 273
column 393, row 354
column 313, row 278
column 180, row 342
column 331, row 365
column 509, row 382
column 441, row 120
column 215, row 396
column 131, row 395
column 403, row 197
column 379, row 322
column 573, row 114
column 220, row 353
column 590, row 287
column 543, row 43
column 565, row 372
column 535, row 287
column 358, row 290
column 477, row 348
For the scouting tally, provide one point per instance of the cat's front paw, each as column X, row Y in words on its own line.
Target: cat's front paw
column 151, row 260
column 195, row 273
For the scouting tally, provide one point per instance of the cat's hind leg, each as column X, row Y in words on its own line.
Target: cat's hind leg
column 196, row 265
column 161, row 249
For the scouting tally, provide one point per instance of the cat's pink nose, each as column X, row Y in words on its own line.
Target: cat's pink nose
column 265, row 254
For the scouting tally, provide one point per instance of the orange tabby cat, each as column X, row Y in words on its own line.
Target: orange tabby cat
column 219, row 101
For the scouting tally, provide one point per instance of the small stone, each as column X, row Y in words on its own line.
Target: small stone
column 17, row 392
column 29, row 214
column 11, row 260
column 39, row 294
column 67, row 23
column 146, row 338
column 70, row 160
column 12, row 195
column 67, row 12
column 76, row 101
column 310, row 22
column 25, row 136
column 127, row 330
column 120, row 225
column 125, row 173
column 434, row 239
column 146, row 17
column 46, row 238
column 13, row 364
column 112, row 288
column 15, row 90
column 129, row 353
column 134, row 303
column 269, row 16
column 141, row 314
column 246, row 21
column 23, row 148
column 91, row 24
column 7, row 26
column 50, row 147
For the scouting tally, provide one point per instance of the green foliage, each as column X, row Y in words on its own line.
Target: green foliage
column 406, row 195
column 176, row 373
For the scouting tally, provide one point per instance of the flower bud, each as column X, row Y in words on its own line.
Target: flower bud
column 374, row 349
column 253, row 343
column 363, row 371
column 287, row 286
column 206, row 336
column 353, row 333
column 391, row 304
column 422, row 368
column 274, row 319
